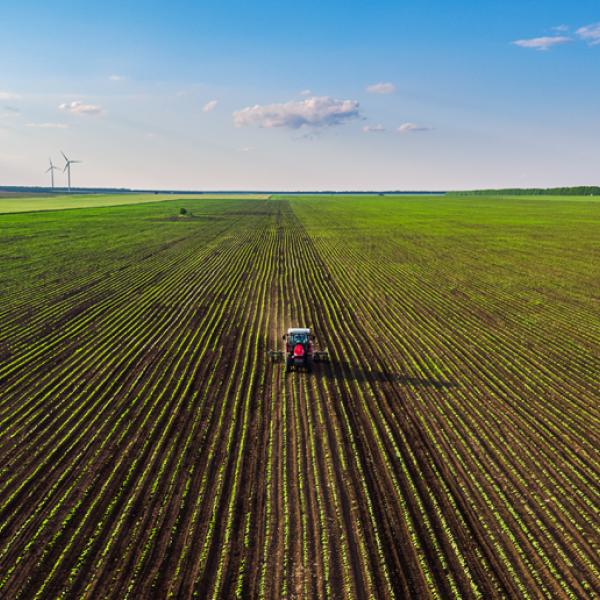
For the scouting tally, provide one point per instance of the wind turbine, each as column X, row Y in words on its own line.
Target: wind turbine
column 68, row 163
column 51, row 170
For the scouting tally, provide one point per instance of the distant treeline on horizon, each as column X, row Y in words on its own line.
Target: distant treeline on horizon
column 16, row 189
column 589, row 190
column 562, row 191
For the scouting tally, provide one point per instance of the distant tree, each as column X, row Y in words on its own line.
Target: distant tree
column 563, row 191
column 183, row 212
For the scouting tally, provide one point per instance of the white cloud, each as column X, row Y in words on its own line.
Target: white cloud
column 590, row 34
column 412, row 128
column 8, row 96
column 117, row 77
column 305, row 93
column 79, row 108
column 373, row 128
column 47, row 125
column 542, row 43
column 211, row 105
column 561, row 28
column 318, row 111
column 381, row 88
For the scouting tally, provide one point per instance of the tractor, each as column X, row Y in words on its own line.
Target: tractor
column 299, row 350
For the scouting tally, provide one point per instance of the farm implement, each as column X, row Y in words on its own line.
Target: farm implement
column 299, row 350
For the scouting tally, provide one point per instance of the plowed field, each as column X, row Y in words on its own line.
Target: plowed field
column 450, row 448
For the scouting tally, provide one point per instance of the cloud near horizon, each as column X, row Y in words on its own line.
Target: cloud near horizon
column 79, row 108
column 47, row 125
column 412, row 128
column 318, row 111
column 8, row 95
column 590, row 34
column 210, row 105
column 381, row 88
column 542, row 43
column 9, row 112
column 373, row 128
column 117, row 78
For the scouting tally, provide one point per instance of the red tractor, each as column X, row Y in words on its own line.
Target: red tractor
column 299, row 350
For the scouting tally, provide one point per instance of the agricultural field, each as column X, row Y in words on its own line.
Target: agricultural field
column 450, row 448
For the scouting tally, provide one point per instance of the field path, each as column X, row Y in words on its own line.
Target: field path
column 21, row 203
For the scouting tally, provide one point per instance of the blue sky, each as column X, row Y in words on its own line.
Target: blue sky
column 317, row 95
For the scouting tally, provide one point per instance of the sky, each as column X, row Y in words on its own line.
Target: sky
column 317, row 95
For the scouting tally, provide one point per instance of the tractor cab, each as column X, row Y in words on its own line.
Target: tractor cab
column 296, row 336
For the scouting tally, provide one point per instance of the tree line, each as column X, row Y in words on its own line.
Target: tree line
column 583, row 190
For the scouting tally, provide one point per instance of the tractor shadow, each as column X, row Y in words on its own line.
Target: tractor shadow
column 346, row 371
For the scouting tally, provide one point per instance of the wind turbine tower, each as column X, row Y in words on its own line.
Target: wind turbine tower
column 68, row 163
column 51, row 170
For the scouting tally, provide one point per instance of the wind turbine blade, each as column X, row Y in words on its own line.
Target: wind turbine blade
column 66, row 167
column 48, row 170
column 64, row 156
column 76, row 161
